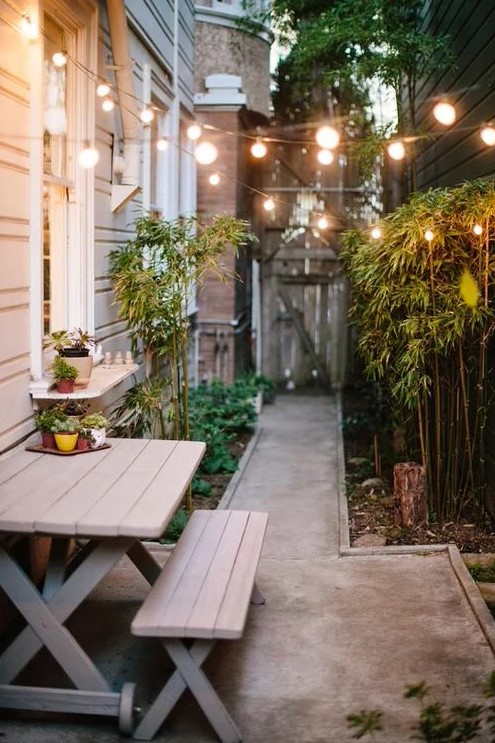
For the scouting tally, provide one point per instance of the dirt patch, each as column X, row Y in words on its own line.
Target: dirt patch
column 371, row 507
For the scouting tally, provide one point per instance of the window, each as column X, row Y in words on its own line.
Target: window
column 55, row 176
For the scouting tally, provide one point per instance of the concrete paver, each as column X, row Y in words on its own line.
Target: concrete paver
column 336, row 635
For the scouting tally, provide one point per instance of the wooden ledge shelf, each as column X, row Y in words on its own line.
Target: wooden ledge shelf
column 103, row 378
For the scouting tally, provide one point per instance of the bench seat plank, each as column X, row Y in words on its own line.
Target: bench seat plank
column 205, row 587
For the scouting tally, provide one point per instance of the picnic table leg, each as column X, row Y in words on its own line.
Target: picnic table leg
column 62, row 604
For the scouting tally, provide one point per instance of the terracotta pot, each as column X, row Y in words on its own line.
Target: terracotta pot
column 66, row 386
column 48, row 440
column 82, row 444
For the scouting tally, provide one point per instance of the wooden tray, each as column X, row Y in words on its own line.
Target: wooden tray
column 45, row 450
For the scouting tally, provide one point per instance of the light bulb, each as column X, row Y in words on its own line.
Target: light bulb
column 162, row 144
column 376, row 233
column 194, row 131
column 269, row 205
column 214, row 179
column 327, row 137
column 444, row 113
column 487, row 134
column 108, row 105
column 429, row 235
column 396, row 150
column 59, row 59
column 146, row 116
column 88, row 157
column 102, row 90
column 28, row 29
column 325, row 157
column 206, row 153
column 478, row 229
column 323, row 223
column 259, row 149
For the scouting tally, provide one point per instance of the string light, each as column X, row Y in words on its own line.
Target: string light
column 429, row 235
column 325, row 157
column 206, row 153
column 444, row 113
column 194, row 131
column 108, row 104
column 162, row 144
column 102, row 90
column 259, row 148
column 88, row 157
column 376, row 233
column 327, row 137
column 323, row 223
column 28, row 29
column 396, row 150
column 146, row 116
column 478, row 229
column 269, row 205
column 487, row 134
column 214, row 179
column 59, row 59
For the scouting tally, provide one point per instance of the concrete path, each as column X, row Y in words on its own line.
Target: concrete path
column 342, row 630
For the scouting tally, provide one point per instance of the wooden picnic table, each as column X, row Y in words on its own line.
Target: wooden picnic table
column 110, row 499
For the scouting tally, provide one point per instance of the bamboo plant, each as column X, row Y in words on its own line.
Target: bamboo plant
column 425, row 336
column 154, row 276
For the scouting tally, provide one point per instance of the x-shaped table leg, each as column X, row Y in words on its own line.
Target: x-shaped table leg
column 188, row 674
column 45, row 618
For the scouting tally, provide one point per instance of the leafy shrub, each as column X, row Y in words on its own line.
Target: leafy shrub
column 176, row 526
column 437, row 723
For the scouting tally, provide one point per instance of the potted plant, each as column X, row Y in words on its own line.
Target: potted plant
column 73, row 408
column 64, row 374
column 76, row 345
column 45, row 421
column 84, row 440
column 97, row 423
column 66, row 433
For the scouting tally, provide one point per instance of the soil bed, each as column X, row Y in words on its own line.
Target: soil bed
column 371, row 508
column 219, row 482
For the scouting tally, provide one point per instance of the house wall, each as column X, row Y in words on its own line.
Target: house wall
column 457, row 154
column 161, row 41
column 15, row 404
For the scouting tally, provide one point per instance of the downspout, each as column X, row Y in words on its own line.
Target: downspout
column 119, row 36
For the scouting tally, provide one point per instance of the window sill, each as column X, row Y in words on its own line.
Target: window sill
column 103, row 378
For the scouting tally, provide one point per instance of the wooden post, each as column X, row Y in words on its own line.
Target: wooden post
column 410, row 497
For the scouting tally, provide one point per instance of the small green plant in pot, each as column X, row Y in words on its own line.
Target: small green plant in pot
column 97, row 424
column 45, row 422
column 76, row 345
column 64, row 374
column 85, row 439
column 66, row 433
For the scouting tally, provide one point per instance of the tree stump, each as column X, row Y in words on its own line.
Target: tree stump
column 410, row 496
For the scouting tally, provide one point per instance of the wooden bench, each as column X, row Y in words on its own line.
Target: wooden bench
column 203, row 593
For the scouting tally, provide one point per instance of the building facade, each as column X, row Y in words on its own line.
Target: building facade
column 232, row 85
column 61, row 212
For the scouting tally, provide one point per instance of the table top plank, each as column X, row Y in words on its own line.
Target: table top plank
column 131, row 489
column 25, row 498
column 167, row 486
column 106, row 515
column 13, row 464
column 63, row 516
